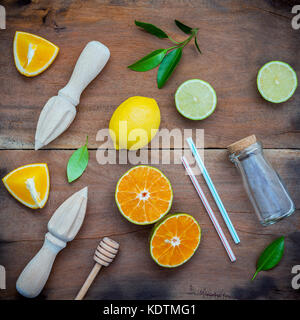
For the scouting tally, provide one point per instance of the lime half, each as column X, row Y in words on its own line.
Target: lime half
column 276, row 81
column 195, row 99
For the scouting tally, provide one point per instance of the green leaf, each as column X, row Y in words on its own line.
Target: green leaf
column 152, row 60
column 167, row 66
column 78, row 162
column 183, row 27
column 196, row 44
column 151, row 28
column 271, row 256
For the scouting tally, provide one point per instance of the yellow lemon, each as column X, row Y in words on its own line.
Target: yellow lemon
column 33, row 54
column 29, row 184
column 134, row 123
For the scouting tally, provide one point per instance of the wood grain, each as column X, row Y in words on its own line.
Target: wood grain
column 236, row 37
column 134, row 275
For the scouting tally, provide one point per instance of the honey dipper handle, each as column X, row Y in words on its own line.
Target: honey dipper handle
column 88, row 281
column 91, row 61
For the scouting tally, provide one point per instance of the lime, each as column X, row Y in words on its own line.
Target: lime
column 195, row 99
column 276, row 81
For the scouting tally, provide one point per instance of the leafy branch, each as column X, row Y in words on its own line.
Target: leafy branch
column 166, row 59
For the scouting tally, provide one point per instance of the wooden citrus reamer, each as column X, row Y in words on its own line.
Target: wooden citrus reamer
column 104, row 255
column 60, row 111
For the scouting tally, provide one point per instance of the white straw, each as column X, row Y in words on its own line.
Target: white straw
column 213, row 191
column 209, row 210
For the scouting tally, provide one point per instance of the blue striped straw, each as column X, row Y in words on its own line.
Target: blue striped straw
column 213, row 191
column 209, row 210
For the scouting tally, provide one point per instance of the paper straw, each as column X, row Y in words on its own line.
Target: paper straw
column 213, row 191
column 209, row 210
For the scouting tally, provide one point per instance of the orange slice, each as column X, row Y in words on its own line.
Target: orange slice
column 29, row 184
column 175, row 240
column 144, row 195
column 33, row 54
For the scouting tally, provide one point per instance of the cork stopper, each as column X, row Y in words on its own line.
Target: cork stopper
column 241, row 144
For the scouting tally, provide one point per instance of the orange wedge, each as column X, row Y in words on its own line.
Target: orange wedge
column 144, row 195
column 175, row 240
column 29, row 184
column 33, row 54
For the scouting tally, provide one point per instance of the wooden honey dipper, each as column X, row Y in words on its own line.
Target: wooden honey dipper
column 104, row 255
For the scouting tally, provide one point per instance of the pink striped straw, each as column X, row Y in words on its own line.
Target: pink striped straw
column 209, row 210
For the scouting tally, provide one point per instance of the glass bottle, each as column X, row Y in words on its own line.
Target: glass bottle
column 266, row 190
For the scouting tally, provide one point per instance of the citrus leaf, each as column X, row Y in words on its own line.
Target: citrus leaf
column 183, row 27
column 271, row 256
column 78, row 162
column 151, row 28
column 167, row 66
column 152, row 60
column 197, row 46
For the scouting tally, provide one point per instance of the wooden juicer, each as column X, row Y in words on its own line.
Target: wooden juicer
column 104, row 255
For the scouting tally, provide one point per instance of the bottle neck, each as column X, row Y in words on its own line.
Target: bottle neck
column 253, row 149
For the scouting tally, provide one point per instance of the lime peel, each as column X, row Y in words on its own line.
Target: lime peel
column 195, row 99
column 276, row 81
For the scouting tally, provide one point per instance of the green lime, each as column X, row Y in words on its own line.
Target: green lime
column 195, row 99
column 276, row 81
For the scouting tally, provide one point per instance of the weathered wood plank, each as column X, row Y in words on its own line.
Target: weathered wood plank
column 236, row 39
column 209, row 275
column 133, row 275
column 102, row 212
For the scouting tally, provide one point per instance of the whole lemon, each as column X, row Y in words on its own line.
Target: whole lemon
column 134, row 123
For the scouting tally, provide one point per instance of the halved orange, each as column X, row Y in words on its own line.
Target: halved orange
column 33, row 54
column 174, row 240
column 144, row 195
column 29, row 184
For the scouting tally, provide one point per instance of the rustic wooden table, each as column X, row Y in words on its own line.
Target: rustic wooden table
column 236, row 37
